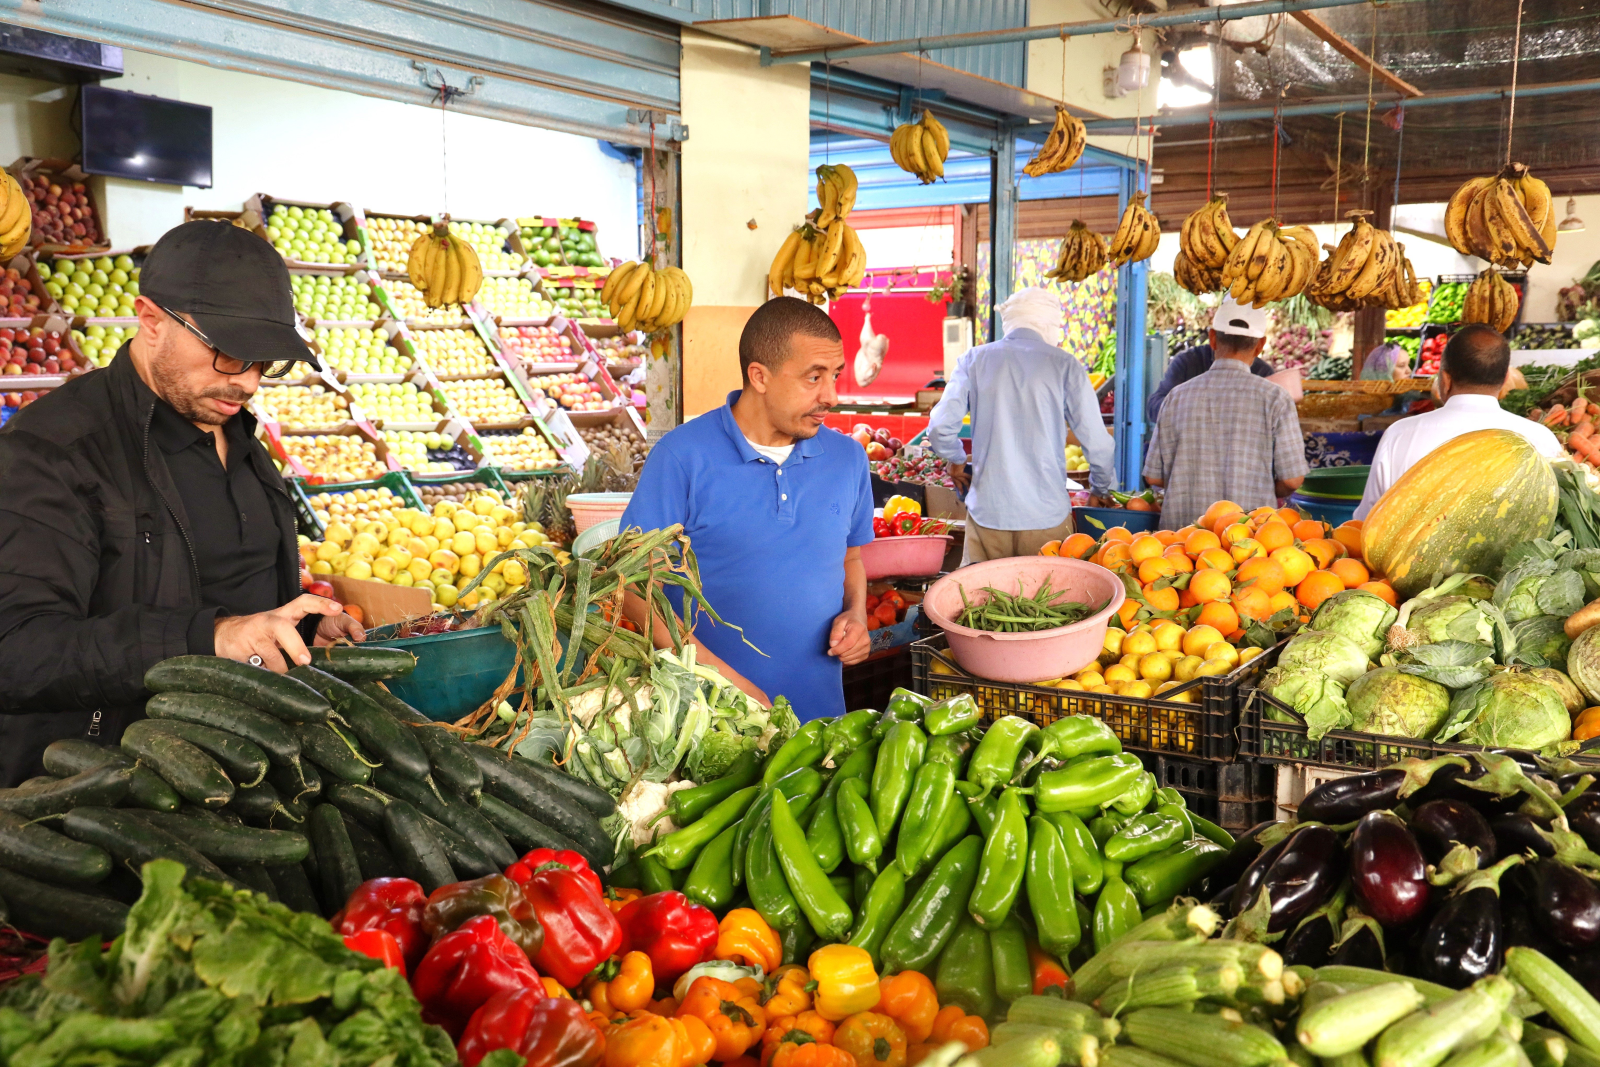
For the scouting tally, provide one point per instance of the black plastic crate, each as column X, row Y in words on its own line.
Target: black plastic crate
column 869, row 683
column 1235, row 796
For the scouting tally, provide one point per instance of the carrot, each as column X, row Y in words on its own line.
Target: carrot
column 1588, row 451
column 1556, row 416
column 1579, row 405
column 1586, row 427
column 1576, row 439
column 1536, row 414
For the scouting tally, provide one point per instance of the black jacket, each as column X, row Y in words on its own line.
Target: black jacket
column 98, row 579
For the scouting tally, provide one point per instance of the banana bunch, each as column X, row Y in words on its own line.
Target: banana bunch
column 1491, row 300
column 444, row 267
column 1506, row 218
column 1195, row 278
column 1137, row 234
column 1083, row 252
column 1360, row 271
column 1270, row 262
column 921, row 147
column 836, row 193
column 642, row 298
column 818, row 262
column 1062, row 148
column 1206, row 236
column 16, row 219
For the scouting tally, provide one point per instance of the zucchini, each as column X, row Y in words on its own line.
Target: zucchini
column 269, row 733
column 417, row 793
column 1557, row 992
column 466, row 858
column 134, row 842
column 529, row 794
column 263, row 804
column 241, row 760
column 278, row 695
column 524, row 832
column 336, row 857
column 473, row 825
column 146, row 789
column 591, row 798
column 359, row 663
column 324, row 745
column 412, row 839
column 381, row 735
column 363, row 802
column 372, row 854
column 1201, row 1040
column 51, row 911
column 222, row 843
column 106, row 784
column 293, row 783
column 453, row 769
column 294, row 888
column 31, row 849
column 253, row 875
column 196, row 776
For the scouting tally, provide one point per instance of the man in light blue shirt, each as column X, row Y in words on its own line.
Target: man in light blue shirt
column 1022, row 392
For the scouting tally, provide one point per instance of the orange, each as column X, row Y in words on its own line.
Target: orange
column 1166, row 537
column 1307, row 529
column 1077, row 546
column 1317, row 587
column 1264, row 574
column 1281, row 600
column 1130, row 608
column 1230, row 519
column 1217, row 558
column 1144, row 547
column 1352, row 524
column 1216, row 511
column 1218, row 614
column 1117, row 533
column 1098, row 559
column 1324, row 550
column 1274, row 535
column 1235, row 533
column 1114, row 552
column 1263, row 514
column 1350, row 538
column 1186, row 599
column 1252, row 603
column 1050, row 548
column 1201, row 540
column 1156, row 567
column 1208, row 585
column 1383, row 589
column 1183, row 534
column 1247, row 548
column 1180, row 562
column 1296, row 565
column 1350, row 572
column 1289, row 516
column 1161, row 599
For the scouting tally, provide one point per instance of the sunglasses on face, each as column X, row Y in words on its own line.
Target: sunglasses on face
column 226, row 364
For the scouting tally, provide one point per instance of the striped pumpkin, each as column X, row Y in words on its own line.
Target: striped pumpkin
column 1459, row 509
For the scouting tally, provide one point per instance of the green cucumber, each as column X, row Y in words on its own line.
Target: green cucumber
column 421, row 853
column 503, row 779
column 384, row 738
column 106, row 784
column 253, row 875
column 371, row 853
column 476, row 827
column 363, row 802
column 146, row 789
column 133, row 841
column 276, row 694
column 466, row 858
column 242, row 760
column 453, row 769
column 293, row 783
column 37, row 780
column 263, row 804
column 31, row 849
column 294, row 888
column 324, row 745
column 591, row 798
column 336, row 857
column 222, row 843
column 524, row 832
column 197, row 777
column 268, row 732
column 359, row 663
column 414, row 792
column 52, row 911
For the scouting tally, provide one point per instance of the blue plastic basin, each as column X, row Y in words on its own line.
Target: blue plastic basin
column 1096, row 521
column 1331, row 511
column 456, row 672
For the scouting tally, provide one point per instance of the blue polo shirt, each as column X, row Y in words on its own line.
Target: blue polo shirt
column 770, row 542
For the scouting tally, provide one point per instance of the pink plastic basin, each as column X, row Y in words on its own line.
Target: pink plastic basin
column 915, row 556
column 1033, row 657
column 589, row 509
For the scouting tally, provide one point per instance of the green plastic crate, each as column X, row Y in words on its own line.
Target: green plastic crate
column 490, row 476
column 302, row 492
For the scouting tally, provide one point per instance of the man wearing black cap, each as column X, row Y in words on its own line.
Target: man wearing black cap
column 140, row 518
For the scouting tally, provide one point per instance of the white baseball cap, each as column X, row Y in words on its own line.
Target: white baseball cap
column 1239, row 319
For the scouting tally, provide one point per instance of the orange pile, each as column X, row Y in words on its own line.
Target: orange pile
column 1229, row 568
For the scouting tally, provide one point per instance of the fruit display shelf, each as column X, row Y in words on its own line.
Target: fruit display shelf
column 555, row 243
column 98, row 340
column 352, row 503
column 94, row 286
column 66, row 217
column 407, row 405
column 486, row 401
column 524, row 451
column 390, row 237
column 433, row 489
column 363, row 353
column 578, row 298
column 39, row 349
column 573, row 390
column 514, row 300
column 354, row 454
column 498, row 246
column 322, row 297
column 620, row 432
column 312, row 235
column 546, row 348
column 14, row 401
column 406, row 303
column 317, row 407
column 449, row 449
column 451, row 352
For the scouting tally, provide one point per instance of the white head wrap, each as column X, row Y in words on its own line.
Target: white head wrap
column 1033, row 309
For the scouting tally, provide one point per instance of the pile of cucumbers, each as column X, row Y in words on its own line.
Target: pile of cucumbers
column 300, row 786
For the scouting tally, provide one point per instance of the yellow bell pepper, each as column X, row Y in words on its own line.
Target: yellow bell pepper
column 744, row 937
column 900, row 505
column 846, row 981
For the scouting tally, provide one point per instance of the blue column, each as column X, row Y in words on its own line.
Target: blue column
column 1002, row 224
column 1132, row 386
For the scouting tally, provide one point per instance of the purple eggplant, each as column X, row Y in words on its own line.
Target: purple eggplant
column 1222, row 902
column 1244, row 892
column 1516, row 833
column 1345, row 800
column 1310, row 944
column 1449, row 782
column 1245, row 849
column 1362, row 948
column 1519, row 927
column 1441, row 824
column 1388, row 875
column 1583, row 816
column 1465, row 940
column 1302, row 876
column 1565, row 904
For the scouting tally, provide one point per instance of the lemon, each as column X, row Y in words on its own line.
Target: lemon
column 1155, row 668
column 1168, row 635
column 1069, row 683
column 1139, row 689
column 1102, row 688
column 1089, row 677
column 1221, row 650
column 1131, row 661
column 940, row 667
column 1119, row 673
column 1211, row 668
column 1199, row 638
column 1248, row 654
column 1186, row 668
column 1114, row 639
column 1139, row 644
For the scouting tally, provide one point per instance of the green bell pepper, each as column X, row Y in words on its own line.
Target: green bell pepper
column 906, row 705
column 824, row 836
column 1116, row 911
column 952, row 827
column 687, row 805
column 804, row 749
column 1181, row 814
column 1083, row 852
column 879, row 907
column 1013, row 972
column 952, row 715
column 966, row 970
column 995, row 759
column 953, row 749
column 1144, row 835
column 932, row 790
column 800, row 781
column 898, row 759
column 846, row 734
column 862, row 841
column 711, row 878
column 1137, row 796
column 1071, row 737
column 1102, row 827
column 827, row 912
column 763, row 875
column 1166, row 874
column 1094, row 783
column 679, row 848
column 1004, row 863
column 1055, row 916
column 938, row 906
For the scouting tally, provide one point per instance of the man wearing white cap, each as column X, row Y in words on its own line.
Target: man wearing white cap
column 1023, row 392
column 1227, row 434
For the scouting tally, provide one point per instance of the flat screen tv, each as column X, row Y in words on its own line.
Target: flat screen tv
column 126, row 135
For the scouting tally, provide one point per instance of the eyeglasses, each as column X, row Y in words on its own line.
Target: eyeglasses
column 226, row 364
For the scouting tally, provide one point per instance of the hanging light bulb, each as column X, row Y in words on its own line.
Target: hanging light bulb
column 1572, row 223
column 1133, row 73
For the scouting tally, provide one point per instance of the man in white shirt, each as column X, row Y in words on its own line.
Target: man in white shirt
column 1471, row 376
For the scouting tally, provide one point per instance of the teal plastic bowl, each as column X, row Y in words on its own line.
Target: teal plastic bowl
column 1096, row 521
column 1332, row 512
column 1341, row 483
column 456, row 672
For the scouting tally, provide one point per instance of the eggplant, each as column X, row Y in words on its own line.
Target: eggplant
column 1519, row 928
column 1360, row 949
column 1222, row 902
column 1516, row 834
column 1565, row 904
column 1301, row 877
column 1388, row 875
column 1465, row 940
column 1440, row 824
column 1449, row 783
column 1345, row 800
column 1310, row 944
column 1244, row 851
column 1245, row 891
column 1583, row 817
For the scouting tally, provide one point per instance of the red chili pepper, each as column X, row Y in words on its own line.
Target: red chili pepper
column 545, row 1031
column 580, row 931
column 451, row 905
column 380, row 945
column 520, row 871
column 466, row 967
column 907, row 524
column 390, row 904
column 673, row 931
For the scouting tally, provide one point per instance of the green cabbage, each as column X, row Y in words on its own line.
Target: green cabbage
column 1538, row 587
column 1317, row 698
column 1448, row 618
column 1361, row 616
column 1391, row 701
column 1332, row 654
column 1514, row 710
column 1541, row 641
column 1571, row 696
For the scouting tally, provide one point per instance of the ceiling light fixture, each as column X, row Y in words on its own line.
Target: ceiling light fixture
column 1572, row 223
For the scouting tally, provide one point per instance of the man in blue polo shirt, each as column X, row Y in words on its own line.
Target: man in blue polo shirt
column 777, row 507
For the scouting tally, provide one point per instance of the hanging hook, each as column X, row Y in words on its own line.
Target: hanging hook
column 443, row 92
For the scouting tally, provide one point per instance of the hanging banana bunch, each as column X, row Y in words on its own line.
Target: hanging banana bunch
column 1137, row 235
column 642, row 298
column 921, row 147
column 1062, row 148
column 1491, row 300
column 444, row 267
column 1269, row 263
column 1083, row 252
column 1204, row 241
column 1405, row 291
column 1363, row 264
column 1505, row 218
column 836, row 193
column 823, row 257
column 16, row 219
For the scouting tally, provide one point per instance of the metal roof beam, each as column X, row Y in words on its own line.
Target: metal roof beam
column 1331, row 37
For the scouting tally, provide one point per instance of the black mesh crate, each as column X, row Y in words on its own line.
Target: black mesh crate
column 869, row 683
column 1234, row 795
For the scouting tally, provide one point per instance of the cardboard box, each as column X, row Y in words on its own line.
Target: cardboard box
column 944, row 504
column 348, row 215
column 381, row 604
column 64, row 170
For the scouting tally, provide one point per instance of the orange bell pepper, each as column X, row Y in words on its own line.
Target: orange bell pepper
column 735, row 1020
column 1586, row 725
column 1048, row 973
column 953, row 1024
column 847, row 984
column 622, row 986
column 812, row 1055
column 647, row 1040
column 743, row 936
column 807, row 1028
column 617, row 898
column 553, row 988
column 874, row 1040
column 743, row 1061
column 666, row 1006
column 786, row 991
column 910, row 1000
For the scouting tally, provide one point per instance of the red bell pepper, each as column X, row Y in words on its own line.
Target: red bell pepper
column 672, row 930
column 580, row 931
column 466, row 967
column 451, row 905
column 545, row 1031
column 390, row 904
column 905, row 524
column 380, row 945
column 880, row 528
column 520, row 871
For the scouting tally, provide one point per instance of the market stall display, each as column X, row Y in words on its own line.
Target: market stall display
column 94, row 287
column 489, row 401
column 1445, row 303
column 301, row 407
column 573, row 390
column 491, row 242
column 335, row 457
column 522, row 450
column 537, row 344
column 394, row 402
column 552, row 242
column 355, row 507
column 513, row 298
column 391, row 239
column 311, row 235
column 332, row 297
column 1545, row 335
column 410, row 304
column 450, row 353
column 577, row 298
column 360, row 351
column 431, row 492
column 619, row 437
column 99, row 343
column 427, row 452
column 37, row 350
column 444, row 263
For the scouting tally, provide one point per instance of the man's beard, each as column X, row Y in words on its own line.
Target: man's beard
column 803, row 430
column 171, row 387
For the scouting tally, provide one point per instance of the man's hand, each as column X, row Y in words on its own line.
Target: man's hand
column 849, row 639
column 330, row 628
column 242, row 636
column 1097, row 501
column 960, row 476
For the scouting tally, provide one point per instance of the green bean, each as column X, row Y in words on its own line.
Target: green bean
column 1004, row 612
